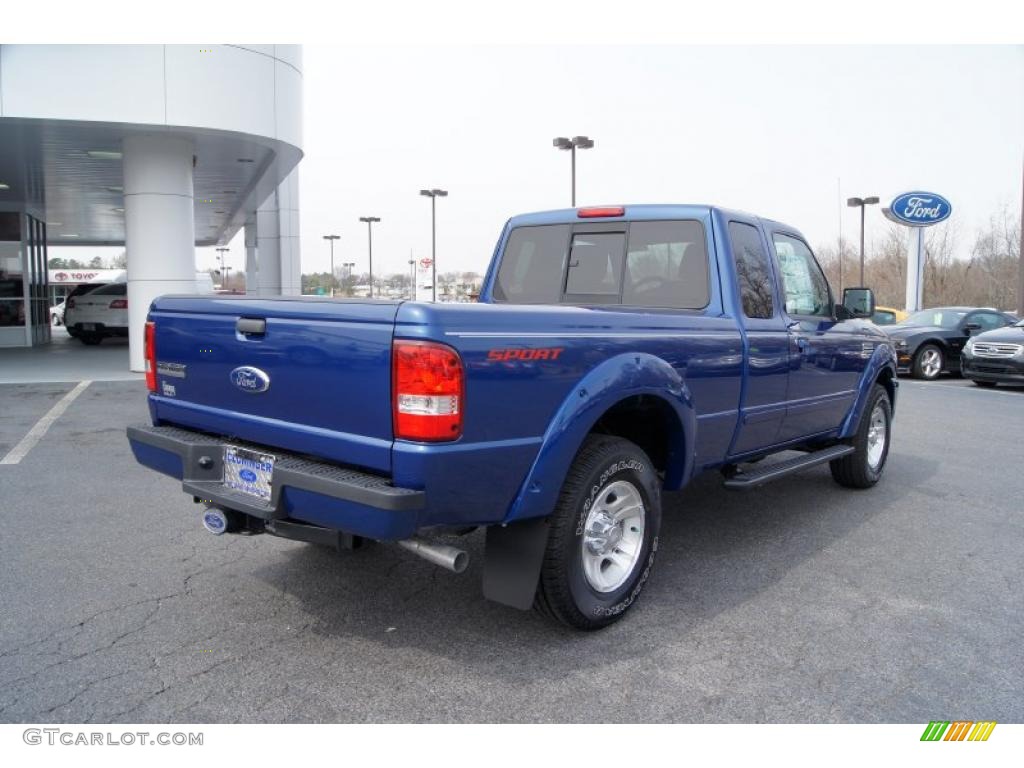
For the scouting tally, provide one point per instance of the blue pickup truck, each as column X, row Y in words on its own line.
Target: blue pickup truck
column 614, row 354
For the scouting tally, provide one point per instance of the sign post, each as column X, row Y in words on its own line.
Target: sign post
column 917, row 210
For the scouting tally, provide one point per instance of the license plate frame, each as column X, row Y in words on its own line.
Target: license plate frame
column 249, row 472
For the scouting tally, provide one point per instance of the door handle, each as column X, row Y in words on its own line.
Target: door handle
column 251, row 326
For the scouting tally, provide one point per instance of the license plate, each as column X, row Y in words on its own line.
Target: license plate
column 88, row 326
column 248, row 471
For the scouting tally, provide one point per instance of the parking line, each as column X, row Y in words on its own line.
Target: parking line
column 28, row 442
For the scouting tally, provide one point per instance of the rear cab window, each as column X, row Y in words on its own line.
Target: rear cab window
column 656, row 264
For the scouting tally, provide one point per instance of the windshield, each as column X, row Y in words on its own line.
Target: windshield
column 943, row 318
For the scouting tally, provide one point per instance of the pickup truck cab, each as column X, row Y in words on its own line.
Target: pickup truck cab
column 614, row 354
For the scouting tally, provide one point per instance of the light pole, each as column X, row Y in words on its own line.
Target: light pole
column 223, row 269
column 412, row 279
column 576, row 142
column 331, row 239
column 862, row 203
column 433, row 194
column 369, row 230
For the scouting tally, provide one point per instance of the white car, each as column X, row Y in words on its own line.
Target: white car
column 92, row 316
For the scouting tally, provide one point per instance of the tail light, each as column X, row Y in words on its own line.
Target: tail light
column 69, row 304
column 427, row 386
column 599, row 213
column 119, row 304
column 150, row 352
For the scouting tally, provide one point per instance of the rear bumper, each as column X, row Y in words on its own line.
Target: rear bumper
column 302, row 489
column 101, row 329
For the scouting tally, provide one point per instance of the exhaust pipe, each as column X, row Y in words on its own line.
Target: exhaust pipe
column 453, row 559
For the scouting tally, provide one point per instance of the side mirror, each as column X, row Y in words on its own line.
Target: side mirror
column 859, row 302
column 970, row 328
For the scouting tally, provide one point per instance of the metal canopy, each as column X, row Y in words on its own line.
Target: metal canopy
column 46, row 165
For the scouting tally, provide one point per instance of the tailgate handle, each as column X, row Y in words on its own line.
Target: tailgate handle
column 251, row 325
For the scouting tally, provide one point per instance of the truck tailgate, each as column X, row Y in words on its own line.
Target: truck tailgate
column 326, row 365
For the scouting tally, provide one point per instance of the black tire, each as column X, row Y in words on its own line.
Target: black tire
column 855, row 469
column 985, row 384
column 90, row 339
column 918, row 370
column 564, row 592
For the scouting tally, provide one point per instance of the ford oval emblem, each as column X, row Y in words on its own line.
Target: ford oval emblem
column 920, row 209
column 249, row 379
column 248, row 475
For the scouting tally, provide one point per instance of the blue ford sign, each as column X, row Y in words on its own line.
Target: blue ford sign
column 249, row 379
column 920, row 209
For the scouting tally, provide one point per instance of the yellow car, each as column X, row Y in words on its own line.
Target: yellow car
column 888, row 316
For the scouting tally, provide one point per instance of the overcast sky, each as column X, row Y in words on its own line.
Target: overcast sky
column 765, row 129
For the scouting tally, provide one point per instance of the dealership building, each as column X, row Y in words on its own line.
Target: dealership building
column 159, row 148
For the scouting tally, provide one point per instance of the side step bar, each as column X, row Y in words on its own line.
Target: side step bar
column 743, row 481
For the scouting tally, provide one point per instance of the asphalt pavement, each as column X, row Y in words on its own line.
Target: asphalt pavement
column 799, row 602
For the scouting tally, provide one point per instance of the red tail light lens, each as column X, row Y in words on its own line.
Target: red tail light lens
column 150, row 352
column 600, row 213
column 69, row 304
column 119, row 304
column 427, row 386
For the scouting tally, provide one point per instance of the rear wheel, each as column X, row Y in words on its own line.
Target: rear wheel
column 863, row 467
column 985, row 384
column 928, row 362
column 603, row 537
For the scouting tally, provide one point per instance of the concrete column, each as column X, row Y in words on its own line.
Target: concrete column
column 159, row 227
column 251, row 265
column 268, row 245
column 288, row 215
column 277, row 238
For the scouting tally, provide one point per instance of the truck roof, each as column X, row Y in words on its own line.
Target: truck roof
column 634, row 212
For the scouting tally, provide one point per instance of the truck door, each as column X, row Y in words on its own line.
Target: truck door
column 827, row 357
column 767, row 356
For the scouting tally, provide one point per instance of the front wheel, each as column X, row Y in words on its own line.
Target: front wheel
column 863, row 467
column 603, row 535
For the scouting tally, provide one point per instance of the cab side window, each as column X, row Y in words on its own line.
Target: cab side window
column 753, row 271
column 803, row 282
column 987, row 320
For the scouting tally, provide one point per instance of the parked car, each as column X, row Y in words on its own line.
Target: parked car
column 888, row 316
column 615, row 353
column 995, row 357
column 57, row 314
column 931, row 341
column 91, row 317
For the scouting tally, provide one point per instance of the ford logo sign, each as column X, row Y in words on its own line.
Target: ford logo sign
column 249, row 379
column 920, row 209
column 248, row 475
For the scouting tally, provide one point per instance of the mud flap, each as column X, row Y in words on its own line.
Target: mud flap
column 513, row 555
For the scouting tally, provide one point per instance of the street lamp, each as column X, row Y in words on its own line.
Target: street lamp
column 412, row 279
column 369, row 230
column 223, row 269
column 862, row 203
column 433, row 194
column 331, row 239
column 576, row 142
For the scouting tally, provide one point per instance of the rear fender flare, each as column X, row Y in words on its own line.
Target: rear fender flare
column 616, row 379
